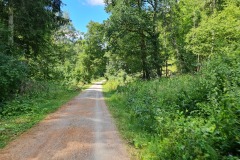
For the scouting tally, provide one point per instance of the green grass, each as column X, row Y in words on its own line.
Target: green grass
column 24, row 112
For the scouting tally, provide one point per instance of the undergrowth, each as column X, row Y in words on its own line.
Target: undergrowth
column 185, row 117
column 24, row 111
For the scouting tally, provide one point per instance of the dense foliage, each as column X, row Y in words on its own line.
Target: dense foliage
column 39, row 43
column 25, row 41
column 186, row 117
column 151, row 36
column 193, row 116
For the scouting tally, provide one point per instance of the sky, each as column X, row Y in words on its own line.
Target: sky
column 81, row 12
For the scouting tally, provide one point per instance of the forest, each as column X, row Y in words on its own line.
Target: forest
column 172, row 69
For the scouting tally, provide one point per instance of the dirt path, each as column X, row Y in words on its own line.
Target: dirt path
column 80, row 130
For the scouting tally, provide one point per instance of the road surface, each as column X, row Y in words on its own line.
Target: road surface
column 82, row 129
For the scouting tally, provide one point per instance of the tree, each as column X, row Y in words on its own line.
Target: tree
column 216, row 34
column 95, row 49
column 139, row 20
column 127, row 39
column 68, row 46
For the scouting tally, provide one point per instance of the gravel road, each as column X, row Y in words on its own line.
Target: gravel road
column 82, row 129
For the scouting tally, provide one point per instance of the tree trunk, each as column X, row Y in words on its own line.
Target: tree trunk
column 10, row 23
column 156, row 61
column 156, row 51
column 166, row 68
column 213, row 5
column 145, row 69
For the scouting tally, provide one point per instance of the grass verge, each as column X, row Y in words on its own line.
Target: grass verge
column 117, row 106
column 23, row 112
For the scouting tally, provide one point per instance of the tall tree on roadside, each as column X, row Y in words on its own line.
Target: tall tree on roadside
column 139, row 19
column 127, row 38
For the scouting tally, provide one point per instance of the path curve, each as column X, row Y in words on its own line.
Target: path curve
column 82, row 129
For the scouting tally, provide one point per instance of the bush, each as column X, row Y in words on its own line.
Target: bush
column 221, row 79
column 12, row 73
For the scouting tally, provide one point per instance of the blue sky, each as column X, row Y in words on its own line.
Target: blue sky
column 81, row 12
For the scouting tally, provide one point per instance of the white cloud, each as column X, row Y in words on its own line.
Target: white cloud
column 96, row 2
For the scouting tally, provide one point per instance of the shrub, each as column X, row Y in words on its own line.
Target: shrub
column 12, row 73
